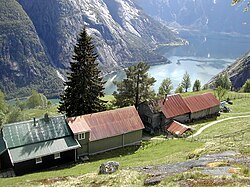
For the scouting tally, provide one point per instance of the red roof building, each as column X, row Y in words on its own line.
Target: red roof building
column 107, row 130
column 173, row 106
column 201, row 102
column 108, row 123
column 177, row 128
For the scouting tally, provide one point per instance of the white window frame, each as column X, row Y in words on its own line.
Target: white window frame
column 57, row 155
column 81, row 136
column 39, row 160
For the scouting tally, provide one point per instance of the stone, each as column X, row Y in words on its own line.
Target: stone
column 109, row 167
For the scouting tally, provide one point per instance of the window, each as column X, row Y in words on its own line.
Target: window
column 39, row 160
column 57, row 155
column 81, row 136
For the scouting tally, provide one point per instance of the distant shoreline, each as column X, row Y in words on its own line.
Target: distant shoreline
column 200, row 60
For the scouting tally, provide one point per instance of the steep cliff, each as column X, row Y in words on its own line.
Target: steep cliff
column 122, row 32
column 23, row 62
column 208, row 15
column 37, row 39
column 238, row 72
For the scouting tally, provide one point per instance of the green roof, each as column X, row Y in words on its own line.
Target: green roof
column 41, row 149
column 2, row 145
column 28, row 132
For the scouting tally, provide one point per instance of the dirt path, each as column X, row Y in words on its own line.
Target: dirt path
column 215, row 122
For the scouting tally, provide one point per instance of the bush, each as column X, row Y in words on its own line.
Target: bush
column 246, row 87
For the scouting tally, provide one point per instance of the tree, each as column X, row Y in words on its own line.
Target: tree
column 223, row 81
column 165, row 88
column 84, row 85
column 3, row 108
column 179, row 89
column 246, row 86
column 36, row 100
column 136, row 88
column 220, row 92
column 197, row 85
column 186, row 82
column 15, row 114
column 234, row 2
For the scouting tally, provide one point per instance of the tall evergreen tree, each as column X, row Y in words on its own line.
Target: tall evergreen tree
column 136, row 88
column 85, row 85
column 186, row 82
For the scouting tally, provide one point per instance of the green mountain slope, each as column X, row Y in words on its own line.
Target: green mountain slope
column 24, row 64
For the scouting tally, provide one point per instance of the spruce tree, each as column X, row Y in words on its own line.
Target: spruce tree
column 84, row 85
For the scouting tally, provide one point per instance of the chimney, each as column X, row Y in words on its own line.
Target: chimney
column 165, row 99
column 34, row 121
column 46, row 117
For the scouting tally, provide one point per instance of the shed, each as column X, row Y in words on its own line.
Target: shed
column 203, row 105
column 151, row 115
column 39, row 144
column 103, row 131
column 176, row 128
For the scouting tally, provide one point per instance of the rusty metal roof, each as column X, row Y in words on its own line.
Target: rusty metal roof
column 108, row 123
column 78, row 124
column 177, row 128
column 173, row 106
column 201, row 102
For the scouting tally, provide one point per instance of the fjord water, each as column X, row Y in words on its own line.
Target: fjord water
column 205, row 56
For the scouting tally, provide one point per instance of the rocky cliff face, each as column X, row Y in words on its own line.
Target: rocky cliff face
column 122, row 32
column 23, row 61
column 37, row 39
column 238, row 72
column 208, row 15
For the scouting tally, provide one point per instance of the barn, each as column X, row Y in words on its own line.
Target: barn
column 37, row 144
column 204, row 105
column 157, row 114
column 103, row 131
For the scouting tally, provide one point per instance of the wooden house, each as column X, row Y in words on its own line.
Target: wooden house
column 157, row 114
column 204, row 105
column 37, row 144
column 103, row 131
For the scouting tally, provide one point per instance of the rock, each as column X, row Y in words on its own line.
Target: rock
column 109, row 167
column 153, row 180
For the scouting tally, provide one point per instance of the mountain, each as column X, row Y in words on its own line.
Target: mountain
column 206, row 15
column 23, row 61
column 238, row 72
column 37, row 39
column 122, row 33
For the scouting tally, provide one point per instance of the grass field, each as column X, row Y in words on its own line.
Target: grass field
column 228, row 135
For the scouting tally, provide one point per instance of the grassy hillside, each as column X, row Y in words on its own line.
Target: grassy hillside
column 228, row 135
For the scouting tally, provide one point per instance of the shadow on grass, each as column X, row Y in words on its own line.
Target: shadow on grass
column 128, row 150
